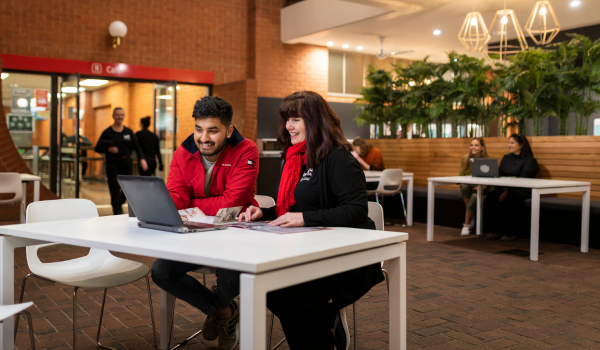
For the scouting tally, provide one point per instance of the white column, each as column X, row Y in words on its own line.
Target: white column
column 479, row 209
column 430, row 206
column 409, row 198
column 585, row 220
column 535, row 224
column 253, row 303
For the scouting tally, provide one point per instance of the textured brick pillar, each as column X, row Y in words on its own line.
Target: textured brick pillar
column 242, row 97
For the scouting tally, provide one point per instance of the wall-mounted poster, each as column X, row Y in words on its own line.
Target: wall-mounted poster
column 41, row 98
column 20, row 101
column 20, row 123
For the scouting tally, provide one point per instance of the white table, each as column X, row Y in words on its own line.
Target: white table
column 36, row 190
column 538, row 187
column 374, row 176
column 267, row 261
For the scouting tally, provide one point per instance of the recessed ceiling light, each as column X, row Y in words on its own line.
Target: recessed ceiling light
column 359, row 48
column 164, row 97
column 330, row 43
column 93, row 82
column 437, row 32
column 575, row 3
column 345, row 46
column 178, row 87
column 393, row 53
column 170, row 88
column 71, row 89
column 5, row 75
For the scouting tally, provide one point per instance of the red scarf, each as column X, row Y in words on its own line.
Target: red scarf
column 295, row 158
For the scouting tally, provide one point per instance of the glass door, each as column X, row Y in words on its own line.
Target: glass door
column 69, row 173
column 165, row 122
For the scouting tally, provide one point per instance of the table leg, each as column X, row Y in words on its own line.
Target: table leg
column 479, row 209
column 24, row 201
column 535, row 225
column 36, row 191
column 430, row 206
column 409, row 195
column 253, row 302
column 166, row 310
column 397, row 297
column 7, row 291
column 585, row 221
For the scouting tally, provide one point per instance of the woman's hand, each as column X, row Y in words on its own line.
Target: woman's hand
column 289, row 220
column 144, row 165
column 502, row 196
column 252, row 213
column 355, row 155
column 113, row 149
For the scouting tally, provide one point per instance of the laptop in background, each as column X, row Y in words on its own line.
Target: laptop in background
column 483, row 167
column 152, row 204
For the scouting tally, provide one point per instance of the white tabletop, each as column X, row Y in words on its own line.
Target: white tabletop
column 29, row 177
column 374, row 173
column 236, row 249
column 508, row 181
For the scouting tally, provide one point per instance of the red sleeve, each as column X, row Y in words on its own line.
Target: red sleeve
column 239, row 187
column 177, row 186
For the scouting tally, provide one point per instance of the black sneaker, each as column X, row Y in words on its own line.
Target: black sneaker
column 507, row 238
column 493, row 236
column 340, row 331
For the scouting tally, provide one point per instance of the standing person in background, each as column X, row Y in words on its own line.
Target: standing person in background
column 150, row 145
column 117, row 142
column 503, row 205
column 469, row 192
column 369, row 157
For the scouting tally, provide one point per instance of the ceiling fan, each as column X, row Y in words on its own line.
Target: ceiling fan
column 382, row 55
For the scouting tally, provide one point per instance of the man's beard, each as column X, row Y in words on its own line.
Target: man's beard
column 217, row 150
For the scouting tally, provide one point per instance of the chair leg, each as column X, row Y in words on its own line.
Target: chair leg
column 385, row 274
column 403, row 206
column 75, row 318
column 172, row 327
column 18, row 317
column 376, row 198
column 204, row 279
column 354, row 319
column 100, row 323
column 31, row 337
column 172, row 331
column 151, row 312
column 271, row 335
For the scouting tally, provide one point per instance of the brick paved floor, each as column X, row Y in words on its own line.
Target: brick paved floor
column 463, row 293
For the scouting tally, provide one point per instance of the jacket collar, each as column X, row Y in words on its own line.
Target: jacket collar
column 190, row 146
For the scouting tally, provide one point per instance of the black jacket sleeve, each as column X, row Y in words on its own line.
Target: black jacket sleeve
column 136, row 146
column 157, row 151
column 530, row 168
column 346, row 180
column 102, row 147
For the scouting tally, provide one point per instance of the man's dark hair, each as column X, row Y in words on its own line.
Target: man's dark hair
column 213, row 107
column 116, row 109
column 145, row 122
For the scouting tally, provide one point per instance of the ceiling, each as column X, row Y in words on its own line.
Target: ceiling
column 408, row 25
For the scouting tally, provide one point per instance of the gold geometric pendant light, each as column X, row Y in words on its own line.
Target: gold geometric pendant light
column 473, row 34
column 508, row 26
column 541, row 27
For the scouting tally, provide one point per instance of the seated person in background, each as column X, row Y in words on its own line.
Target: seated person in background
column 214, row 168
column 469, row 192
column 369, row 157
column 503, row 204
column 321, row 184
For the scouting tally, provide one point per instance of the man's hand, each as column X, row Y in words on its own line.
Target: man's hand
column 289, row 220
column 143, row 164
column 161, row 167
column 113, row 149
column 502, row 196
column 252, row 213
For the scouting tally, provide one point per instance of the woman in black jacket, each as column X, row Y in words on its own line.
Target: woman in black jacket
column 150, row 145
column 503, row 204
column 321, row 184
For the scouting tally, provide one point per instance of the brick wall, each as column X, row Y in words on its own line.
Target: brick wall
column 187, row 95
column 242, row 97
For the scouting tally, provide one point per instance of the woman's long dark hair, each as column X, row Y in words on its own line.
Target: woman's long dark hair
column 525, row 147
column 323, row 127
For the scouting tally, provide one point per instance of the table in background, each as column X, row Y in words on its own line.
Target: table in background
column 36, row 190
column 537, row 186
column 374, row 176
column 267, row 261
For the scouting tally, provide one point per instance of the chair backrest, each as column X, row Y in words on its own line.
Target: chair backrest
column 376, row 214
column 265, row 201
column 11, row 183
column 390, row 182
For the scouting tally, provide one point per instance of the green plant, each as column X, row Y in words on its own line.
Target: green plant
column 374, row 105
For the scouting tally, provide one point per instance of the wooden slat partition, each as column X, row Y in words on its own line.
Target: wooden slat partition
column 574, row 158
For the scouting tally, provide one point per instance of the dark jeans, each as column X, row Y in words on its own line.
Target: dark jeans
column 172, row 277
column 504, row 217
column 151, row 168
column 117, row 197
column 306, row 314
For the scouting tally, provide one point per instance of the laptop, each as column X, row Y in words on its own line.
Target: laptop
column 484, row 167
column 152, row 204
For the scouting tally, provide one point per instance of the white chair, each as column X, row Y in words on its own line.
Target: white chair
column 7, row 311
column 375, row 214
column 390, row 184
column 98, row 269
column 263, row 202
column 11, row 183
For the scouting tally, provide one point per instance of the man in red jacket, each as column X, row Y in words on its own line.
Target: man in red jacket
column 214, row 168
